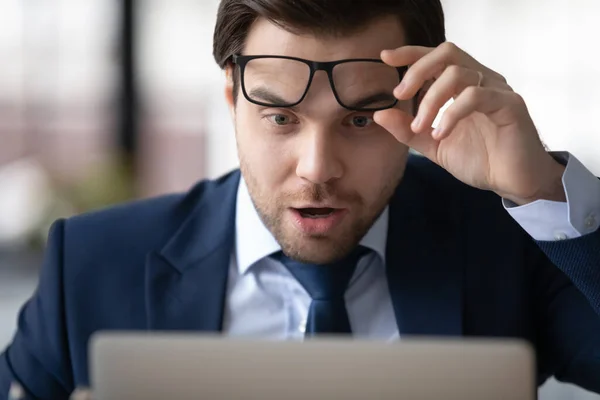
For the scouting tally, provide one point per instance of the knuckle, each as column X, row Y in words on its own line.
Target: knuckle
column 454, row 71
column 507, row 87
column 449, row 47
column 494, row 75
column 472, row 93
column 502, row 78
column 518, row 99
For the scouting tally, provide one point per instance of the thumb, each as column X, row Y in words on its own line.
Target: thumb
column 397, row 122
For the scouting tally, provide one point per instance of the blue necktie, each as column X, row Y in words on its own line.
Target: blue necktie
column 326, row 285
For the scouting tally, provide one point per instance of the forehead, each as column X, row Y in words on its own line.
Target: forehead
column 266, row 38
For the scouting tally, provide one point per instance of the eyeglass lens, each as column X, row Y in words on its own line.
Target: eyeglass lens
column 282, row 82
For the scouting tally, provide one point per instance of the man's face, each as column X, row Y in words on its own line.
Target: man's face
column 319, row 175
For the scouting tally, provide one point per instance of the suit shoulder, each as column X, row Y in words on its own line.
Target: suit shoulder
column 136, row 227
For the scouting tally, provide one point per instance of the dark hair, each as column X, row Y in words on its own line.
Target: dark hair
column 423, row 20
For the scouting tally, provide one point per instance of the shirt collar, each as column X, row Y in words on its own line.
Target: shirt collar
column 254, row 241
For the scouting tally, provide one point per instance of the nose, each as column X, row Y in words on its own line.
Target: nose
column 319, row 158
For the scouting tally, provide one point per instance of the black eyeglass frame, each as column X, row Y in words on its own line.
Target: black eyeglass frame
column 314, row 66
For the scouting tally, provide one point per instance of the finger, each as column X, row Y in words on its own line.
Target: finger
column 405, row 55
column 501, row 106
column 431, row 65
column 397, row 123
column 450, row 84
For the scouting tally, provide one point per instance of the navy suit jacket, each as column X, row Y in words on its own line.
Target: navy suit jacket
column 457, row 265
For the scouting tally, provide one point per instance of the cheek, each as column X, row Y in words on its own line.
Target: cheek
column 266, row 160
column 248, row 135
column 381, row 165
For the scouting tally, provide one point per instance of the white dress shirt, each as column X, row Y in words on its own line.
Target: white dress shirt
column 265, row 300
column 552, row 220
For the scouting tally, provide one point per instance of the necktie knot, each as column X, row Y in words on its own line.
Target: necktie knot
column 326, row 284
column 323, row 281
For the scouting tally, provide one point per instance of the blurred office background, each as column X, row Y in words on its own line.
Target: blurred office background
column 105, row 101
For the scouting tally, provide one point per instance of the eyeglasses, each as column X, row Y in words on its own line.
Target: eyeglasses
column 280, row 81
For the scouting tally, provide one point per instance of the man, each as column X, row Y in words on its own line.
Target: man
column 476, row 238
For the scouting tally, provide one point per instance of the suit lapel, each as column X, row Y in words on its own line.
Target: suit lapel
column 186, row 281
column 424, row 261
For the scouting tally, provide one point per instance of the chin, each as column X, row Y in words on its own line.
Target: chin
column 316, row 249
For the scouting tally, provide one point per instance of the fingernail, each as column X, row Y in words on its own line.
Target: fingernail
column 437, row 133
column 376, row 116
column 416, row 123
column 399, row 89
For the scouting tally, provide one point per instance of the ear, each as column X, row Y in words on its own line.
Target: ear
column 229, row 97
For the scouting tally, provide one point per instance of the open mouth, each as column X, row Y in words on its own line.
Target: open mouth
column 317, row 220
column 315, row 213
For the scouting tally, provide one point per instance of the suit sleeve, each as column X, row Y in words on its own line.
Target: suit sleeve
column 567, row 293
column 38, row 357
column 579, row 259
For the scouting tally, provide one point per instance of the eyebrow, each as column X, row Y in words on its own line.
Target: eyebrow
column 367, row 101
column 266, row 97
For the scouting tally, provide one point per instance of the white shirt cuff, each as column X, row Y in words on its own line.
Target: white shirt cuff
column 546, row 220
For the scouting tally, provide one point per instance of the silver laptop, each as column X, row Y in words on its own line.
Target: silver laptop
column 178, row 366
